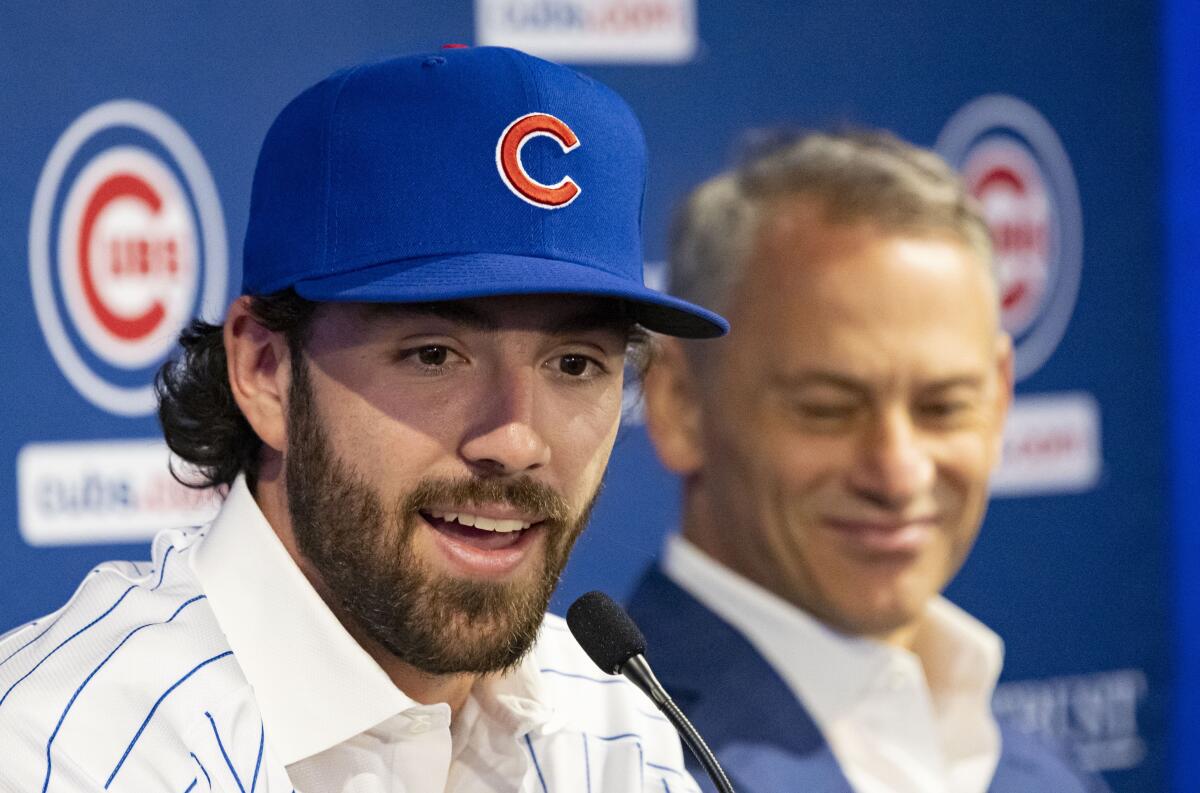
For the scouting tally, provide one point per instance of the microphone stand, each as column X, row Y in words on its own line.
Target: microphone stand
column 637, row 670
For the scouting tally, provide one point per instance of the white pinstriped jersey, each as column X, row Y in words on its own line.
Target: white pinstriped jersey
column 189, row 675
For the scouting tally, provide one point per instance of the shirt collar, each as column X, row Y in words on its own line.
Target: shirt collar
column 830, row 671
column 962, row 656
column 518, row 700
column 314, row 684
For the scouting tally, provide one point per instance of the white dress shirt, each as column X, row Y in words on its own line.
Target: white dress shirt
column 221, row 669
column 897, row 721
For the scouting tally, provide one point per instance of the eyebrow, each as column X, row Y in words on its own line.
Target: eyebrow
column 612, row 316
column 958, row 381
column 795, row 382
column 848, row 383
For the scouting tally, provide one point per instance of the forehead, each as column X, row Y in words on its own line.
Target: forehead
column 856, row 294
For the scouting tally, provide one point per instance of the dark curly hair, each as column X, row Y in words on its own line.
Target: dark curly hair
column 201, row 421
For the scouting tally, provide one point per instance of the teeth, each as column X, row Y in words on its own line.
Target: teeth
column 503, row 526
column 479, row 522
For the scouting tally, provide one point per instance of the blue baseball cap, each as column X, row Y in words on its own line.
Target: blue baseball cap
column 464, row 173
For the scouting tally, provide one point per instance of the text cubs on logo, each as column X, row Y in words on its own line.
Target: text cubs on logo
column 126, row 243
column 1014, row 164
column 512, row 169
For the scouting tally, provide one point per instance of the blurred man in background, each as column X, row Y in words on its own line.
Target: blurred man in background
column 410, row 407
column 835, row 451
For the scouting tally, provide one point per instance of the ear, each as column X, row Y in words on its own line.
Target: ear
column 259, row 373
column 672, row 408
column 1005, row 385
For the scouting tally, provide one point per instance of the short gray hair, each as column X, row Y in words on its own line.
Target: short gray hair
column 867, row 175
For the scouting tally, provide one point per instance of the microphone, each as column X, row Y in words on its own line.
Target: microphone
column 611, row 638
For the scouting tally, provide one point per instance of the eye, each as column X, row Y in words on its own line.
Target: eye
column 942, row 410
column 575, row 366
column 432, row 355
column 430, row 358
column 827, row 411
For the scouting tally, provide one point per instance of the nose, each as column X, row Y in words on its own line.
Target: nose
column 505, row 439
column 894, row 465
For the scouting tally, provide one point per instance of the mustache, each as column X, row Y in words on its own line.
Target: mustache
column 521, row 493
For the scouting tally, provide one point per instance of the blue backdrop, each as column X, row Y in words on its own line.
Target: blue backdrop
column 1181, row 143
column 1074, row 576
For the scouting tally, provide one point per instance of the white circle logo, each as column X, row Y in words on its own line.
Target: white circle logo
column 1013, row 163
column 126, row 243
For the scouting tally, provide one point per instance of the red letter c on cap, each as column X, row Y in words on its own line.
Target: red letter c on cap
column 512, row 171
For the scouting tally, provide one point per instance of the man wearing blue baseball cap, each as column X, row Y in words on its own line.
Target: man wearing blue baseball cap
column 410, row 407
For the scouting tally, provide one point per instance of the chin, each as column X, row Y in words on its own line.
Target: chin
column 884, row 613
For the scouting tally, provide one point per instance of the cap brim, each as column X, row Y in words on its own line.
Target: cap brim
column 488, row 275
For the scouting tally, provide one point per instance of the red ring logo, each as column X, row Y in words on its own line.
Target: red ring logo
column 512, row 170
column 1024, row 236
column 127, row 256
column 1006, row 181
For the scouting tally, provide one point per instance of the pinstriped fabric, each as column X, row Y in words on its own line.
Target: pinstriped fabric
column 133, row 686
column 113, row 678
column 610, row 733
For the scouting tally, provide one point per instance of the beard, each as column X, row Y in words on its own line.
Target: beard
column 363, row 549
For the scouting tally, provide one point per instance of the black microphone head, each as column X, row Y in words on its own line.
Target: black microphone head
column 605, row 632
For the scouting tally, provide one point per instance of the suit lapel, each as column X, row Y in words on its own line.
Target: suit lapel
column 761, row 733
column 764, row 738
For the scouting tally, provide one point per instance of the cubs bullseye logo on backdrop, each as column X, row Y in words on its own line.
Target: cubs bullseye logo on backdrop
column 1014, row 164
column 126, row 243
column 127, row 256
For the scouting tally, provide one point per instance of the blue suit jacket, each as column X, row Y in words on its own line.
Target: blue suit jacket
column 765, row 739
